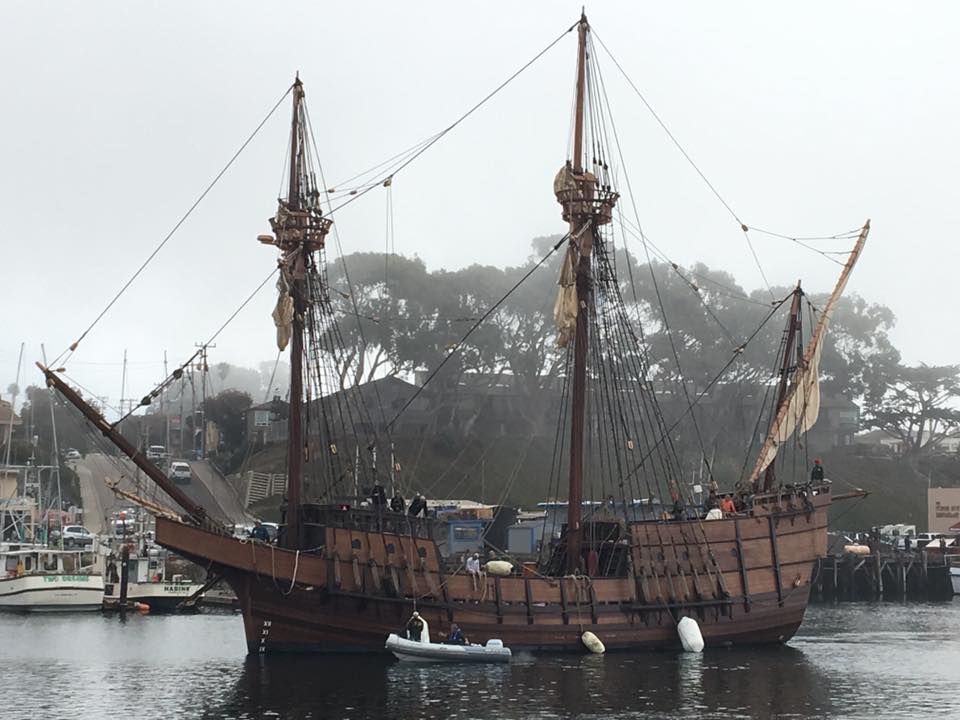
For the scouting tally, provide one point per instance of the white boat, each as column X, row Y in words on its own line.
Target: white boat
column 149, row 585
column 37, row 579
column 427, row 652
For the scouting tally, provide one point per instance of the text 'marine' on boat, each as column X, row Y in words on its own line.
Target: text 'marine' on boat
column 342, row 578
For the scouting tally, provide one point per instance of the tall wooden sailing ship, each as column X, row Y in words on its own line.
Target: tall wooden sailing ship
column 343, row 577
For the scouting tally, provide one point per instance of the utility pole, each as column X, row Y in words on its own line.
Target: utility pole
column 182, row 381
column 56, row 460
column 123, row 385
column 193, row 410
column 204, row 368
column 13, row 405
column 163, row 406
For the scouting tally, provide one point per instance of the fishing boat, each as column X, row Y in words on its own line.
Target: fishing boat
column 343, row 577
column 149, row 584
column 37, row 575
column 406, row 650
column 42, row 579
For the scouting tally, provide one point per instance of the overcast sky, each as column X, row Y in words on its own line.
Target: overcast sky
column 807, row 118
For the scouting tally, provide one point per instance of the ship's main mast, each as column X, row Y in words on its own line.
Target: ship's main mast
column 586, row 206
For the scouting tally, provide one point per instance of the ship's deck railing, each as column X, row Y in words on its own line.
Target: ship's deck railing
column 383, row 520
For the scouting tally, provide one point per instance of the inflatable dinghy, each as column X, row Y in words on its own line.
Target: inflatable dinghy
column 426, row 652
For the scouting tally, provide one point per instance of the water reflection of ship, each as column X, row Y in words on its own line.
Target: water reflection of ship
column 731, row 683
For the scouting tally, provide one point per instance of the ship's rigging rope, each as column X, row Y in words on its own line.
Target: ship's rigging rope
column 178, row 372
column 65, row 355
column 459, row 344
column 600, row 89
column 430, row 143
column 689, row 159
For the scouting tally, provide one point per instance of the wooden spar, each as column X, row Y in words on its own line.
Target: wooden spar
column 808, row 356
column 293, row 197
column 153, row 507
column 582, row 332
column 197, row 512
column 792, row 328
column 581, row 75
column 291, row 538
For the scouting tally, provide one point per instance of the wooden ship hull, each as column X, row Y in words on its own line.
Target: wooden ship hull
column 748, row 583
column 343, row 579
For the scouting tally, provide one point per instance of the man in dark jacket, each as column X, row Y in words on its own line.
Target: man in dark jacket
column 456, row 635
column 816, row 475
column 397, row 503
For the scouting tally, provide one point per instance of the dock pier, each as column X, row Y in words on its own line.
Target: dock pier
column 882, row 576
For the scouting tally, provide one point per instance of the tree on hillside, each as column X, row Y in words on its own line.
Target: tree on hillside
column 228, row 410
column 918, row 406
column 72, row 431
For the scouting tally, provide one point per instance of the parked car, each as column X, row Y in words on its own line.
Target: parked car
column 73, row 536
column 73, row 455
column 180, row 472
column 156, row 453
column 922, row 539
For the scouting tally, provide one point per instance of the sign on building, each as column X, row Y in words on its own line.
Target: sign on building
column 943, row 510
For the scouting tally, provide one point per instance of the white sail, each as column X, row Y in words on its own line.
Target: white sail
column 801, row 406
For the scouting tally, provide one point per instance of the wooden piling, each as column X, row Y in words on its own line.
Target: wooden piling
column 124, row 577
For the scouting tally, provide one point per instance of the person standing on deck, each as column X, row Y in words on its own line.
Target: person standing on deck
column 259, row 532
column 378, row 495
column 397, row 503
column 473, row 569
column 727, row 506
column 816, row 474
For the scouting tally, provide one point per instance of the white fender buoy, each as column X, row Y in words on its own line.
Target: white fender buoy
column 499, row 567
column 592, row 643
column 857, row 549
column 690, row 636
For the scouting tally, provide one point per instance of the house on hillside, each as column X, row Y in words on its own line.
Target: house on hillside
column 837, row 425
column 380, row 401
column 6, row 426
column 487, row 405
column 267, row 422
column 885, row 443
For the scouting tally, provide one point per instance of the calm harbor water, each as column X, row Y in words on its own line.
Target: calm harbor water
column 851, row 661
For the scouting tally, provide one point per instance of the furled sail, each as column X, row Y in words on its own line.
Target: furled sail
column 801, row 405
column 565, row 307
column 283, row 313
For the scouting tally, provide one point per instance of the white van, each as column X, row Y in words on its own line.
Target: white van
column 180, row 472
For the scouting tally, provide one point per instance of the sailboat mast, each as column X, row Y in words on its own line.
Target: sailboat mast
column 799, row 401
column 582, row 333
column 792, row 327
column 294, row 422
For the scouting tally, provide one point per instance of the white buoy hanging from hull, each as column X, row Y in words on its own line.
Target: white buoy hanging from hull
column 593, row 643
column 690, row 636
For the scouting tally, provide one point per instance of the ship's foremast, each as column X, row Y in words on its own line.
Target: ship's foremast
column 299, row 231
